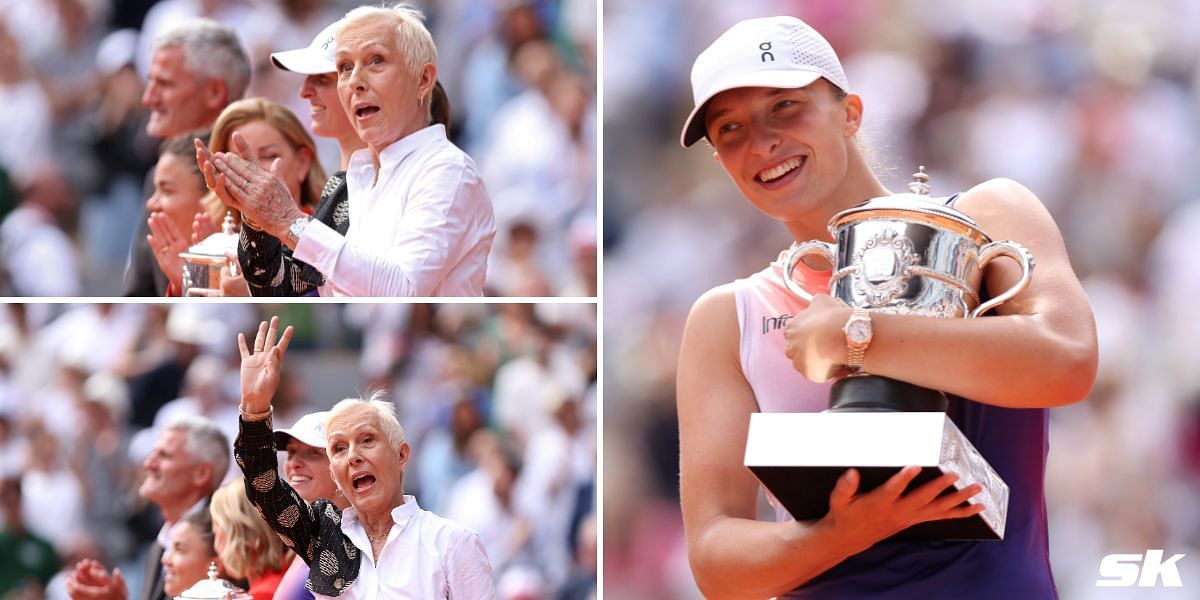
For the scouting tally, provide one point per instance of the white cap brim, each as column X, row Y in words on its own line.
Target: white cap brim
column 308, row 438
column 693, row 128
column 304, row 60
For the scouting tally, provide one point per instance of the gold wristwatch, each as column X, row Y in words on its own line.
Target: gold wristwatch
column 859, row 334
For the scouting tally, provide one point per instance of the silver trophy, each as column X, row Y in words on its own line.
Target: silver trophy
column 203, row 261
column 212, row 588
column 904, row 254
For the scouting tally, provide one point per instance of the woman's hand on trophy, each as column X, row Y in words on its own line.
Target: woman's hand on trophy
column 232, row 282
column 816, row 344
column 864, row 519
column 261, row 366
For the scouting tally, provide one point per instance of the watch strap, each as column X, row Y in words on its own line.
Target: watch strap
column 857, row 351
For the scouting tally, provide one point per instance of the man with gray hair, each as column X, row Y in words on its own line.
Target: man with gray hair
column 188, row 462
column 197, row 70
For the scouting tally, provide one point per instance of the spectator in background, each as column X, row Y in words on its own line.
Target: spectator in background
column 249, row 550
column 50, row 487
column 307, row 471
column 487, row 501
column 189, row 460
column 444, row 456
column 26, row 119
column 27, row 562
column 272, row 132
column 197, row 70
column 36, row 256
column 187, row 558
column 173, row 207
column 546, row 181
column 123, row 153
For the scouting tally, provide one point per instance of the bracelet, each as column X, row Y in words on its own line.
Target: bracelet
column 255, row 416
column 251, row 224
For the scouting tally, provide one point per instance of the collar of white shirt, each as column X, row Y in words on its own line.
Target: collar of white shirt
column 362, row 165
column 353, row 528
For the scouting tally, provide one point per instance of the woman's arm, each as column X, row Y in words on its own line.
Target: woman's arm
column 731, row 553
column 269, row 267
column 468, row 572
column 444, row 209
column 294, row 520
column 1036, row 350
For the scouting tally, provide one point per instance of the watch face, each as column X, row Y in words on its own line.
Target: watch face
column 858, row 331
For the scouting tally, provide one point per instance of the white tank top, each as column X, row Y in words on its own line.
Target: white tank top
column 764, row 306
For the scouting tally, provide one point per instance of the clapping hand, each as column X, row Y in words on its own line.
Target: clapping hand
column 91, row 581
column 167, row 242
column 243, row 184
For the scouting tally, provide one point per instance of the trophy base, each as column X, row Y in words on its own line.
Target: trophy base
column 799, row 456
column 872, row 393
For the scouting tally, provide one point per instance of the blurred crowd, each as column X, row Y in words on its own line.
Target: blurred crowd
column 1094, row 105
column 74, row 154
column 498, row 403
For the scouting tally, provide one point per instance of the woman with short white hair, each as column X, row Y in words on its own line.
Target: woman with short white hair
column 384, row 545
column 421, row 221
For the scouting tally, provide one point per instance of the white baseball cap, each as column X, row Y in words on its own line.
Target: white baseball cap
column 776, row 52
column 310, row 430
column 317, row 58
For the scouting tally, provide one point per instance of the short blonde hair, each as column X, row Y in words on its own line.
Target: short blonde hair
column 374, row 405
column 252, row 548
column 413, row 39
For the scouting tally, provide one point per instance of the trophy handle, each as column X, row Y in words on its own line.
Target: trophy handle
column 1014, row 251
column 800, row 251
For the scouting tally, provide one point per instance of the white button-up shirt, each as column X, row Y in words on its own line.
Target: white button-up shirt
column 423, row 227
column 425, row 557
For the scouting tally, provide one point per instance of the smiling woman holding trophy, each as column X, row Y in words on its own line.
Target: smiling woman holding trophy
column 912, row 277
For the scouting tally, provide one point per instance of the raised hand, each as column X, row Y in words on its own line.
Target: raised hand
column 261, row 367
column 864, row 519
column 167, row 242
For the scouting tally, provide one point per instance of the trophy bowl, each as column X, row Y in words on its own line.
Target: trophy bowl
column 212, row 588
column 906, row 254
column 203, row 261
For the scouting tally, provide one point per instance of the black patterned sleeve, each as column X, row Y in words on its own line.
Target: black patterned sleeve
column 296, row 522
column 268, row 265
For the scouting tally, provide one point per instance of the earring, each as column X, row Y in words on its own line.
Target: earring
column 420, row 102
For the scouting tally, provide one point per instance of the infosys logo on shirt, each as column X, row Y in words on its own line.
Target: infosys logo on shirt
column 770, row 324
